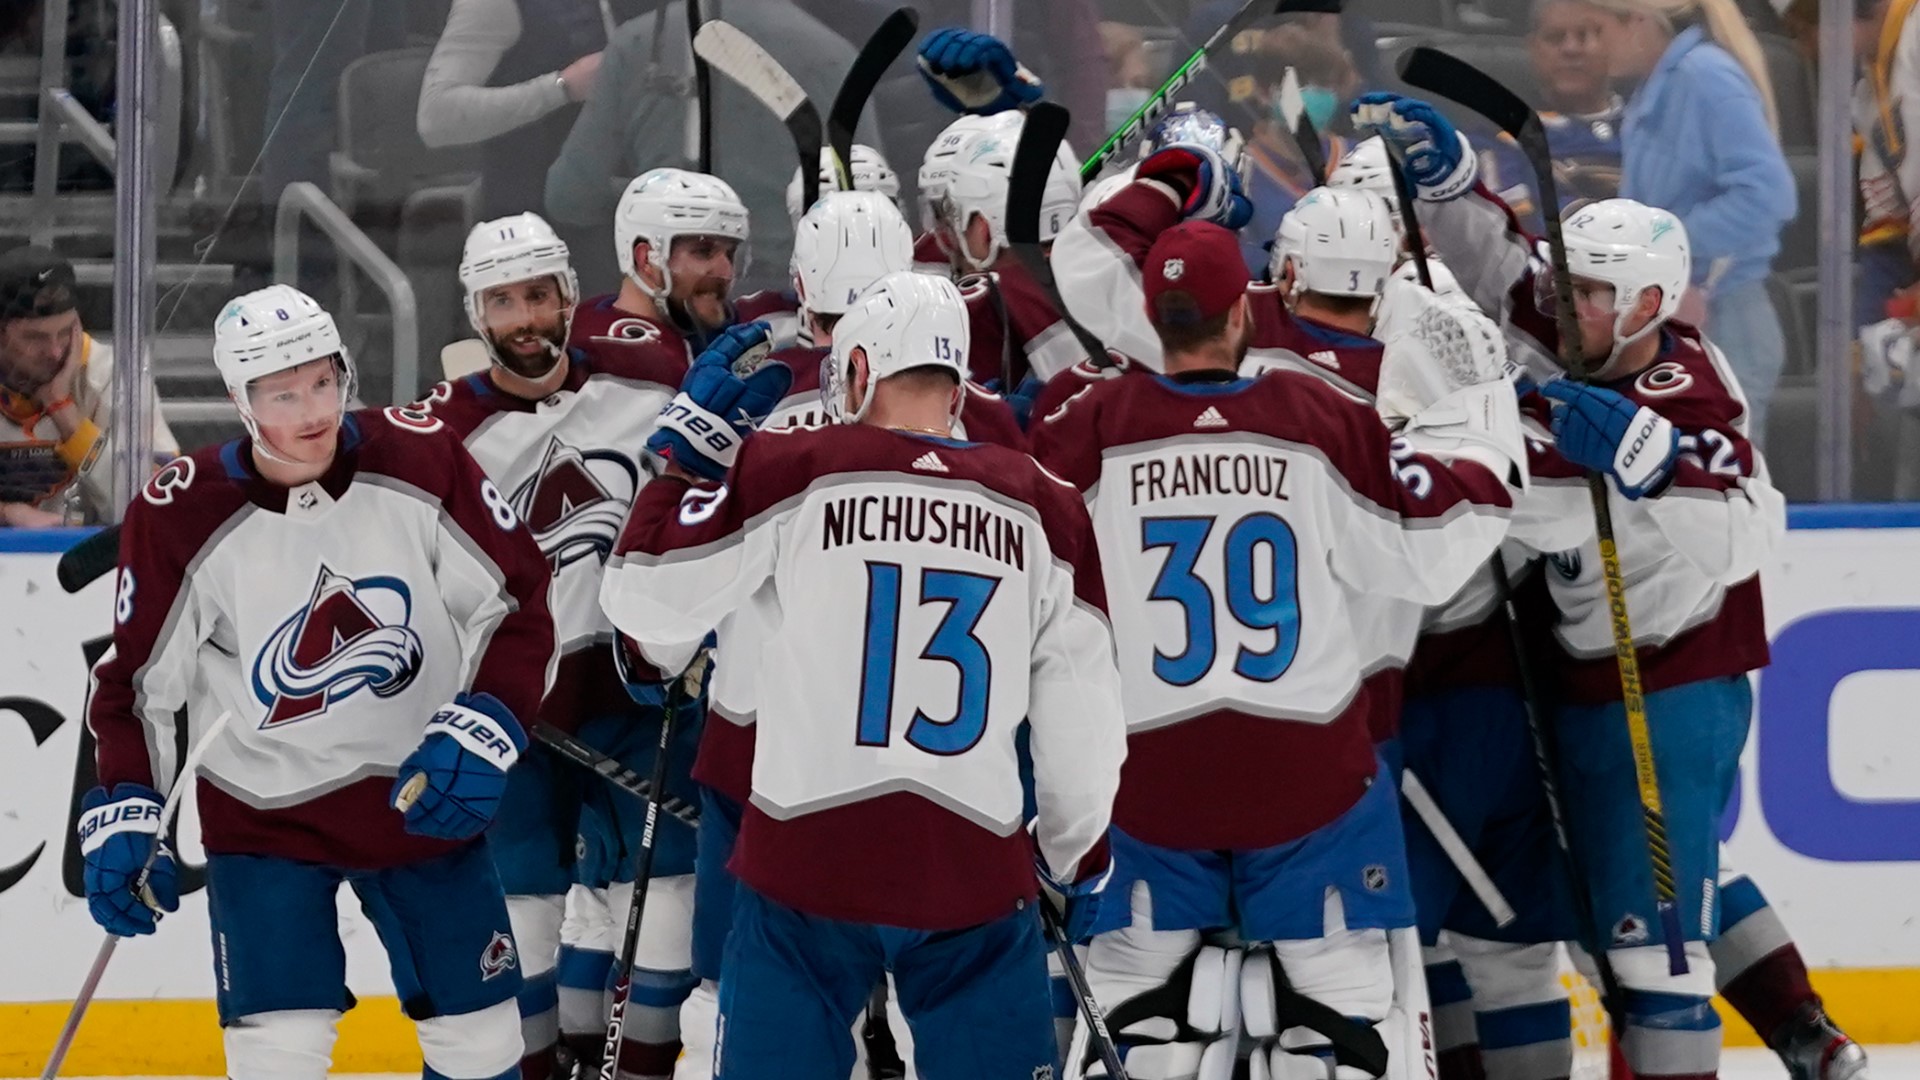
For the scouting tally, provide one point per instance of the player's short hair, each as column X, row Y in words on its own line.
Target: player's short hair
column 926, row 377
column 1182, row 335
column 1343, row 305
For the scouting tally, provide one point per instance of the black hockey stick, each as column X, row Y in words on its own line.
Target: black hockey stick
column 1044, row 129
column 642, row 874
column 1431, row 69
column 614, row 773
column 1304, row 136
column 95, row 557
column 1160, row 100
column 1096, row 1017
column 881, row 50
column 741, row 59
column 702, row 89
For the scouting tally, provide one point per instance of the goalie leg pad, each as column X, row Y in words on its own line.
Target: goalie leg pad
column 293, row 1044
column 479, row 1045
column 1170, row 1000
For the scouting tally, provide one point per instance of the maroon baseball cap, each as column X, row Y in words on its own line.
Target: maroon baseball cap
column 1193, row 273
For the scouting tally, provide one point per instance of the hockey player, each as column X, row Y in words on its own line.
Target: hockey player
column 365, row 602
column 1234, row 515
column 870, row 172
column 896, row 844
column 1665, row 422
column 558, row 429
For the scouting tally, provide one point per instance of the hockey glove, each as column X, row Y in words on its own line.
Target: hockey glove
column 1078, row 902
column 117, row 833
column 971, row 72
column 1440, row 161
column 729, row 390
column 1208, row 186
column 1605, row 431
column 450, row 787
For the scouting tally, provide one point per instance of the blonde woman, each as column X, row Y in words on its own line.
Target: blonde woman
column 1701, row 139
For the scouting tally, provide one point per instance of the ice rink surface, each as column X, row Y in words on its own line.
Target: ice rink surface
column 1889, row 1063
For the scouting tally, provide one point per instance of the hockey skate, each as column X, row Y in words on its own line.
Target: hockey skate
column 1814, row 1048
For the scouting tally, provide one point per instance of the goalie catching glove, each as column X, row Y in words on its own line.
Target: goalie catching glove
column 1443, row 378
column 727, row 393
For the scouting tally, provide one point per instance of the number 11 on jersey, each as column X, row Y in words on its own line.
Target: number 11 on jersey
column 966, row 596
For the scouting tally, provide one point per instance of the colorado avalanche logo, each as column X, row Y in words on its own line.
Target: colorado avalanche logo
column 629, row 332
column 576, row 502
column 1566, row 564
column 351, row 635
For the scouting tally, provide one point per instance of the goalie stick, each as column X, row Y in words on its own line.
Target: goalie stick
column 881, row 50
column 614, row 773
column 1431, row 69
column 1158, row 102
column 188, row 766
column 740, row 58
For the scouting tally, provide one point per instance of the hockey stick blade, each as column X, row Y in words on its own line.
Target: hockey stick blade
column 1162, row 99
column 702, row 90
column 1453, row 78
column 740, row 58
column 90, row 559
column 1041, row 134
column 881, row 50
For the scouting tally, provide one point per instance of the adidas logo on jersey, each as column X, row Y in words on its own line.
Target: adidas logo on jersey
column 930, row 462
column 1210, row 418
column 1324, row 356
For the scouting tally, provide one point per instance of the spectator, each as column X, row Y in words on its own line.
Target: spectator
column 631, row 126
column 312, row 44
column 1133, row 80
column 1887, row 46
column 509, row 77
column 1277, row 173
column 1566, row 45
column 1700, row 138
column 56, row 396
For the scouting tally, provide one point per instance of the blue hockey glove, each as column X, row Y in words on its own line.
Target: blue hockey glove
column 726, row 394
column 971, row 72
column 1438, row 158
column 450, row 787
column 117, row 832
column 1600, row 429
column 1077, row 902
column 1209, row 186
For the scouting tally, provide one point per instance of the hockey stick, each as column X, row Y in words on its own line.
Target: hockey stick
column 614, row 773
column 95, row 557
column 881, row 50
column 741, row 59
column 643, row 868
column 1457, row 851
column 1159, row 101
column 1304, row 136
column 702, row 89
column 188, row 766
column 1041, row 134
column 1431, row 69
column 1096, row 1017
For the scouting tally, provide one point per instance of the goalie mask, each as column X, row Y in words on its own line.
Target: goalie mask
column 903, row 322
column 526, row 335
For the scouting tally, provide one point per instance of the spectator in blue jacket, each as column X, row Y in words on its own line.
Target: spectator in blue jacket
column 1701, row 139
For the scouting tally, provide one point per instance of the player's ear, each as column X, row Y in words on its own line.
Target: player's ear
column 856, row 379
column 1648, row 306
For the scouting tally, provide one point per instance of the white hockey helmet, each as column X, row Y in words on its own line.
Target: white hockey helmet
column 271, row 330
column 905, row 320
column 846, row 242
column 870, row 173
column 1365, row 167
column 1632, row 247
column 1340, row 240
column 660, row 205
column 976, row 185
column 522, row 247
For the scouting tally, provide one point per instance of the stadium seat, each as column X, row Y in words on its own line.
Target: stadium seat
column 1792, row 93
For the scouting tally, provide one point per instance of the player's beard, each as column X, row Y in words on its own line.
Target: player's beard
column 706, row 303
column 530, row 351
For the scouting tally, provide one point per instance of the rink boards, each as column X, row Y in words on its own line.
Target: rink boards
column 1827, row 817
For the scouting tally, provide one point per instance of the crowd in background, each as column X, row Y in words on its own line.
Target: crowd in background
column 422, row 117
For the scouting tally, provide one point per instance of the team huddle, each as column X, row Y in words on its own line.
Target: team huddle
column 936, row 624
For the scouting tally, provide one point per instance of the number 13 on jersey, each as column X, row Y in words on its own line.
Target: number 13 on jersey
column 953, row 641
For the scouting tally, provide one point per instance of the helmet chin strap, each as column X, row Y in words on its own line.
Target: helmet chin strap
column 1622, row 341
column 554, row 353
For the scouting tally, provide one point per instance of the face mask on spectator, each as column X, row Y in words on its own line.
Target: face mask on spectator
column 1123, row 102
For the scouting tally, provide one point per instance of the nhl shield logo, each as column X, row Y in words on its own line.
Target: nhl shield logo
column 576, row 502
column 1375, row 878
column 351, row 635
column 1173, row 269
column 499, row 956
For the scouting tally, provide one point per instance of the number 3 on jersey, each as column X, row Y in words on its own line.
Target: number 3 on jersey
column 966, row 596
column 1257, row 570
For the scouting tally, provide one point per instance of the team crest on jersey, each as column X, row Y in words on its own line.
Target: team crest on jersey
column 576, row 502
column 350, row 635
column 629, row 331
column 498, row 957
column 1566, row 564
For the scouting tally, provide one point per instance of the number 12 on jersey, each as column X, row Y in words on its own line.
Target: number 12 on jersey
column 1255, row 543
column 953, row 641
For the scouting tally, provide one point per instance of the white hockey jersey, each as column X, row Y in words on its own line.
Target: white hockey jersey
column 928, row 596
column 331, row 619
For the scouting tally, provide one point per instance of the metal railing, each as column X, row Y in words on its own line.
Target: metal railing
column 303, row 199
